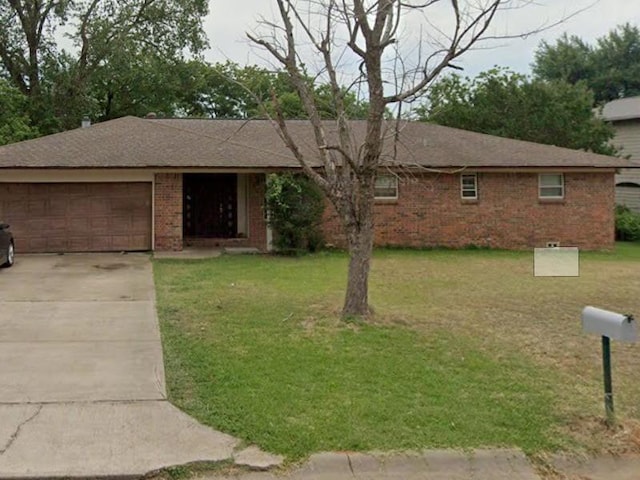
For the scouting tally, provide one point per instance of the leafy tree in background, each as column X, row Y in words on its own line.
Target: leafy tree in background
column 131, row 57
column 14, row 124
column 611, row 67
column 503, row 103
column 228, row 90
column 104, row 32
column 137, row 84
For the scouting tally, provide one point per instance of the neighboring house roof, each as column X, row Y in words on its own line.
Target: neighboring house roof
column 622, row 109
column 132, row 142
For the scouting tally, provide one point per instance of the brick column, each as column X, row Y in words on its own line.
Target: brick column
column 168, row 211
column 256, row 188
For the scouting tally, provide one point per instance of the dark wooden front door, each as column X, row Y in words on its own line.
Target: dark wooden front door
column 210, row 205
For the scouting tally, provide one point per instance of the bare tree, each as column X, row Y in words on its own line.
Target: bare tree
column 368, row 33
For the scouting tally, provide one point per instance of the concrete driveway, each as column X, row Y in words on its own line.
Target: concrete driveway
column 82, row 391
column 79, row 328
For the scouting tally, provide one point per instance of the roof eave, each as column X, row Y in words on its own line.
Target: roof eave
column 620, row 118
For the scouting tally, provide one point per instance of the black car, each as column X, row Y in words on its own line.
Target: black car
column 6, row 246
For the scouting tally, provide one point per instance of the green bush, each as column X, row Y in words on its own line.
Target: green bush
column 295, row 207
column 627, row 224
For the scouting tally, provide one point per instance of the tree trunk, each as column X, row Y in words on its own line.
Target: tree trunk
column 360, row 243
column 356, row 303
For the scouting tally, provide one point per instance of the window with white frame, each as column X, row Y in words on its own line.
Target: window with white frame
column 551, row 185
column 469, row 186
column 386, row 187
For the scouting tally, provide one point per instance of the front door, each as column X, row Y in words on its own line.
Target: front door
column 210, row 205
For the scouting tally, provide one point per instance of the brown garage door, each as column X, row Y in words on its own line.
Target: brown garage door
column 77, row 217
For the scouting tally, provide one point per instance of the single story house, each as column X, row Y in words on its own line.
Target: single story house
column 624, row 115
column 163, row 184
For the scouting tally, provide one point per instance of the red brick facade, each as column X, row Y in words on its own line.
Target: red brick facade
column 169, row 222
column 167, row 211
column 257, row 224
column 508, row 214
column 429, row 212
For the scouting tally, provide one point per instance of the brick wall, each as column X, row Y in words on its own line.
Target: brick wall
column 257, row 225
column 168, row 211
column 508, row 214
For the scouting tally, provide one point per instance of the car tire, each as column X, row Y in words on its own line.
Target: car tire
column 10, row 257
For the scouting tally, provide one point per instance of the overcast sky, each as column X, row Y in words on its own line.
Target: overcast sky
column 230, row 19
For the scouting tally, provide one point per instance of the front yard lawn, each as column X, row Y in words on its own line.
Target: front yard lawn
column 466, row 349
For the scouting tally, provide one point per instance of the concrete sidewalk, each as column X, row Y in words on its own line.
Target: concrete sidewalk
column 500, row 464
column 607, row 467
column 489, row 464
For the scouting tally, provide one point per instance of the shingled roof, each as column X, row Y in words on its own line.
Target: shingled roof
column 622, row 109
column 132, row 142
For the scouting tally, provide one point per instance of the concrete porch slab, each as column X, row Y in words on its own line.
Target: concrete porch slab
column 241, row 251
column 190, row 254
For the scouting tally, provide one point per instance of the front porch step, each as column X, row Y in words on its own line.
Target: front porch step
column 190, row 253
column 241, row 250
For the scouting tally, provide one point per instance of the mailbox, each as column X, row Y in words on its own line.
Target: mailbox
column 609, row 324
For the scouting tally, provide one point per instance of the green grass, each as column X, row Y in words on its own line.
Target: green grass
column 376, row 388
column 624, row 251
column 253, row 347
column 467, row 349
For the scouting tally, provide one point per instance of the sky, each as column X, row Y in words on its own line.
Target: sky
column 228, row 21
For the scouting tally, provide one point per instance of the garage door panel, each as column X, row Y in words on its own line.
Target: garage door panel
column 139, row 238
column 123, row 204
column 57, row 244
column 77, row 217
column 119, row 224
column 28, row 244
column 80, row 189
column 139, row 227
column 80, row 226
column 32, row 226
column 56, row 228
column 99, row 225
column 101, row 244
column 16, row 207
column 57, row 207
column 120, row 242
column 77, row 207
column 122, row 189
column 80, row 244
column 99, row 206
column 37, row 207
